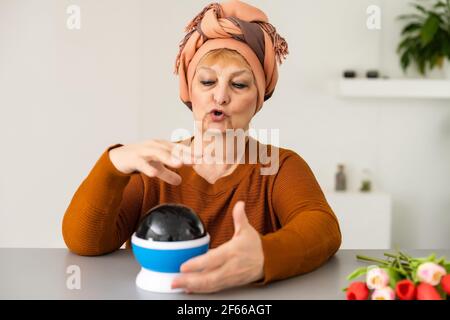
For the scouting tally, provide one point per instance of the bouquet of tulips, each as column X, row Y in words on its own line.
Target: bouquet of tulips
column 401, row 277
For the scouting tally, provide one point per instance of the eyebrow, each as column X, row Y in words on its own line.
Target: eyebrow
column 233, row 74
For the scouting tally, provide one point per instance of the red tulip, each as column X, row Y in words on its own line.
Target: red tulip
column 357, row 291
column 445, row 283
column 405, row 290
column 426, row 291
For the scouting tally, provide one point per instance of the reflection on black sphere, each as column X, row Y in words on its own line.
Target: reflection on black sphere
column 171, row 222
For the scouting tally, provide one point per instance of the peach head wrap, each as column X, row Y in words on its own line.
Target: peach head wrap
column 238, row 26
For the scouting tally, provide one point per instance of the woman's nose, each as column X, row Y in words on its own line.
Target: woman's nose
column 221, row 95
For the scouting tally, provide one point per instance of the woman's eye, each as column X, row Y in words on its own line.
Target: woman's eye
column 240, row 85
column 235, row 84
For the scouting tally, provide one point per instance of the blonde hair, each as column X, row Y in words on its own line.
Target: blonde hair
column 226, row 56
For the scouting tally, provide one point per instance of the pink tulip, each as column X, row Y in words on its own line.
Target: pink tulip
column 377, row 278
column 385, row 293
column 431, row 273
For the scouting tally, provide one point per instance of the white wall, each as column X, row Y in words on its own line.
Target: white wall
column 66, row 95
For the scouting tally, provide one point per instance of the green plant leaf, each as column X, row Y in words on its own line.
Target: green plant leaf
column 429, row 29
column 411, row 28
column 440, row 5
column 446, row 46
column 404, row 61
column 443, row 10
column 357, row 273
column 415, row 279
column 421, row 64
column 441, row 291
column 420, row 8
column 405, row 44
column 415, row 264
column 394, row 277
column 442, row 260
column 431, row 257
column 416, row 17
column 446, row 266
column 434, row 60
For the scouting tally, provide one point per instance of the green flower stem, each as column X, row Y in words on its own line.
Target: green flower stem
column 403, row 259
column 400, row 265
column 400, row 271
column 372, row 259
column 407, row 268
column 407, row 258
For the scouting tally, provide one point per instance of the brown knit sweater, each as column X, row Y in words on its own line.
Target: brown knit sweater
column 298, row 229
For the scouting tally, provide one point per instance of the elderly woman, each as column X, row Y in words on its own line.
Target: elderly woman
column 263, row 227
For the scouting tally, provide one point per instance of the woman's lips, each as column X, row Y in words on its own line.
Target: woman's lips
column 217, row 116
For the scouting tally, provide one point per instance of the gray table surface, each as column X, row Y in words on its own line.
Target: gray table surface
column 42, row 274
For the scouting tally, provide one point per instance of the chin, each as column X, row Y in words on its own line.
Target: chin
column 218, row 126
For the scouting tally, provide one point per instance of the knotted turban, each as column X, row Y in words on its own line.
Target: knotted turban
column 238, row 26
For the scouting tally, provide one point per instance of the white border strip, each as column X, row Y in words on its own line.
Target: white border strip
column 169, row 245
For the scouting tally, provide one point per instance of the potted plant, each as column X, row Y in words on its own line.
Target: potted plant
column 425, row 39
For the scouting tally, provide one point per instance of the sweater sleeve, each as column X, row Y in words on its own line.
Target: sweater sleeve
column 104, row 210
column 309, row 233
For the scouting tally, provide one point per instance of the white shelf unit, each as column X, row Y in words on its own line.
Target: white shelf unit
column 365, row 218
column 395, row 88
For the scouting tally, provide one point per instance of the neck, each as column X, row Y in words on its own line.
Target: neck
column 218, row 148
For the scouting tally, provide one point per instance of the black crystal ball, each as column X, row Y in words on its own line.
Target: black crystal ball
column 171, row 222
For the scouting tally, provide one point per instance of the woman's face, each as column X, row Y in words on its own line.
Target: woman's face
column 226, row 86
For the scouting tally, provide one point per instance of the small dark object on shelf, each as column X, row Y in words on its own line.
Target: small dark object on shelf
column 349, row 74
column 365, row 186
column 340, row 183
column 366, row 183
column 372, row 74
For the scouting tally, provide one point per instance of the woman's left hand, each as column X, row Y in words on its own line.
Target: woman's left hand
column 237, row 262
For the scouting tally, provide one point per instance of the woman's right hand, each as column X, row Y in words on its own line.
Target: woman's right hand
column 150, row 157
